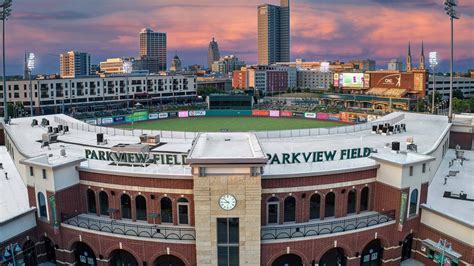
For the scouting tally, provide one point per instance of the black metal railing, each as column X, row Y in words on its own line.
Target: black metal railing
column 323, row 228
column 130, row 229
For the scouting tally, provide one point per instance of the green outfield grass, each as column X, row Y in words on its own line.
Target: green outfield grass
column 210, row 124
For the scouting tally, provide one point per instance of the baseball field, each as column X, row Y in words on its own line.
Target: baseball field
column 213, row 124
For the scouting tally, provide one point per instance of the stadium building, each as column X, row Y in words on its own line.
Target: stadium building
column 368, row 194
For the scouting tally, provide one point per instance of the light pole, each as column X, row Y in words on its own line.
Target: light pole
column 433, row 63
column 6, row 11
column 31, row 66
column 9, row 254
column 127, row 69
column 450, row 8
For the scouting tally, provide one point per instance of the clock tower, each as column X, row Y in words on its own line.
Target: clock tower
column 226, row 169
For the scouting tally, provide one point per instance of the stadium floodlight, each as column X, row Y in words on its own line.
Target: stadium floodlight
column 127, row 69
column 433, row 58
column 30, row 63
column 450, row 8
column 4, row 14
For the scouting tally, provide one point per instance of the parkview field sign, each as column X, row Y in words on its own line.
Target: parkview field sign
column 318, row 156
column 136, row 158
column 180, row 159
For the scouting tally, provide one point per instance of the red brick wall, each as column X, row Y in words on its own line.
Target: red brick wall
column 2, row 137
column 465, row 140
column 137, row 181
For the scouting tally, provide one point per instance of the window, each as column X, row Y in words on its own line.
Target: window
column 228, row 241
column 183, row 211
column 289, row 208
column 364, row 199
column 32, row 172
column 42, row 205
column 351, row 201
column 314, row 206
column 126, row 206
column 272, row 210
column 140, row 205
column 423, row 169
column 166, row 210
column 329, row 206
column 104, row 203
column 91, row 201
column 411, row 170
column 44, row 174
column 413, row 202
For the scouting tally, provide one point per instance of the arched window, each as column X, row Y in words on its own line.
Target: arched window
column 126, row 206
column 166, row 210
column 91, row 201
column 314, row 206
column 413, row 202
column 272, row 210
column 140, row 205
column 289, row 208
column 104, row 203
column 42, row 205
column 183, row 211
column 330, row 203
column 364, row 199
column 351, row 201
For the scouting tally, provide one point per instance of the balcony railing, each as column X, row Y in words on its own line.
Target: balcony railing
column 323, row 228
column 130, row 228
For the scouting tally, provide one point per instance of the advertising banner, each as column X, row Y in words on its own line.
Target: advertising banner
column 274, row 113
column 163, row 115
column 310, row 115
column 344, row 116
column 322, row 116
column 403, row 208
column 107, row 120
column 286, row 113
column 336, row 79
column 91, row 121
column 260, row 113
column 353, row 80
column 334, row 117
column 371, row 118
column 366, row 80
column 197, row 113
column 172, row 114
column 362, row 118
column 298, row 114
column 137, row 116
column 183, row 114
column 153, row 116
column 119, row 119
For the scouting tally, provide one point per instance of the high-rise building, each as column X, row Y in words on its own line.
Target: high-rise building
column 153, row 50
column 212, row 53
column 227, row 64
column 274, row 33
column 395, row 65
column 175, row 63
column 114, row 65
column 74, row 64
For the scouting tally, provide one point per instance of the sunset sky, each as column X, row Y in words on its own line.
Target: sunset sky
column 320, row 29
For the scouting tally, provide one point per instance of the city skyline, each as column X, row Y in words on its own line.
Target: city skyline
column 320, row 31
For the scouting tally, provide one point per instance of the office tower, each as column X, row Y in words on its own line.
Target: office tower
column 114, row 65
column 227, row 64
column 395, row 65
column 175, row 63
column 74, row 64
column 212, row 53
column 274, row 33
column 153, row 50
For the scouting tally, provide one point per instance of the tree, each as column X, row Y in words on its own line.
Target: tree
column 204, row 91
column 458, row 94
column 420, row 105
column 460, row 106
column 438, row 97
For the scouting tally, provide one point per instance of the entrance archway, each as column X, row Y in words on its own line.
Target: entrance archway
column 406, row 247
column 288, row 260
column 168, row 260
column 122, row 258
column 372, row 254
column 83, row 254
column 333, row 257
column 50, row 250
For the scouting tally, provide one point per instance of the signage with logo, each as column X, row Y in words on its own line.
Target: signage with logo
column 334, row 117
column 274, row 113
column 153, row 116
column 298, row 114
column 260, row 113
column 310, row 115
column 403, row 208
column 91, row 122
column 135, row 158
column 163, row 115
column 318, row 156
column 336, row 80
column 197, row 113
column 286, row 113
column 352, row 80
column 183, row 114
column 322, row 116
column 107, row 120
column 119, row 119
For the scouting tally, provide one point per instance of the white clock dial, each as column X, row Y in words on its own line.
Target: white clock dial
column 227, row 202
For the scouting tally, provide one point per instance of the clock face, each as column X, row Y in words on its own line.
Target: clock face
column 227, row 202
